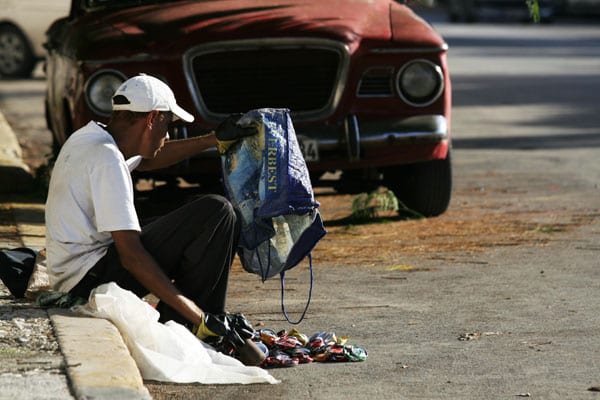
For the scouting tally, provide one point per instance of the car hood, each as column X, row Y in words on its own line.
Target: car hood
column 174, row 27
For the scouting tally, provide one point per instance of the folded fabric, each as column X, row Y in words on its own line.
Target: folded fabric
column 166, row 352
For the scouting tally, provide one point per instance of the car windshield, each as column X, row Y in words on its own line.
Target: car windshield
column 95, row 4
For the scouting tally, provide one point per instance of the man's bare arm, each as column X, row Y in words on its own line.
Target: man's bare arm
column 175, row 151
column 136, row 259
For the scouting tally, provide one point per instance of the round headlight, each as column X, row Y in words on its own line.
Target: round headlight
column 100, row 88
column 420, row 82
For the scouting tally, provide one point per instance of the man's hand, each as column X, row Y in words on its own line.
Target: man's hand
column 218, row 325
column 233, row 327
column 240, row 325
column 232, row 129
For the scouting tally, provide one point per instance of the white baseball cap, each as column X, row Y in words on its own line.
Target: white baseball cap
column 145, row 93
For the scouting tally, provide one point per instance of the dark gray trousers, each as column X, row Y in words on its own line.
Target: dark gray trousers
column 194, row 245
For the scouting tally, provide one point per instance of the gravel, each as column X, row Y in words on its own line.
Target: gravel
column 26, row 334
column 31, row 363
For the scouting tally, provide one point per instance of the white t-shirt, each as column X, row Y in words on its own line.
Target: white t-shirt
column 90, row 195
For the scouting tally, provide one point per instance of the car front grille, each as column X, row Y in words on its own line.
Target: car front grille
column 305, row 79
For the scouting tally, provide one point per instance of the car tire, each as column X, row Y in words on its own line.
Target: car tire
column 16, row 57
column 423, row 187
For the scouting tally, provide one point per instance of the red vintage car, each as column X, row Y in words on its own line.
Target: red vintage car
column 367, row 82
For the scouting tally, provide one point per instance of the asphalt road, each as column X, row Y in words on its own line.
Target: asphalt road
column 514, row 318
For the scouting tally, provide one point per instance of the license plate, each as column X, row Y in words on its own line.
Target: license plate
column 309, row 148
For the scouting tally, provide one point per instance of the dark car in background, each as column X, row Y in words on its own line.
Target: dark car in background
column 367, row 82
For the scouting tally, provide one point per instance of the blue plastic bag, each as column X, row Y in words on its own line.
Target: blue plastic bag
column 267, row 180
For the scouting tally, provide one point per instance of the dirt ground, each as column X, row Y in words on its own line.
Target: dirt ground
column 476, row 221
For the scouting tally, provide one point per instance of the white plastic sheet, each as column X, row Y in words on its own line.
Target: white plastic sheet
column 166, row 352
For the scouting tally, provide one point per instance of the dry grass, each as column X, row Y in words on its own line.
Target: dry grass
column 463, row 231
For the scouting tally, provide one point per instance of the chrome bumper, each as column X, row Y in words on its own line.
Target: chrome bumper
column 377, row 133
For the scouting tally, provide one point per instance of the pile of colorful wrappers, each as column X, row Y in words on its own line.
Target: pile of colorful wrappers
column 288, row 349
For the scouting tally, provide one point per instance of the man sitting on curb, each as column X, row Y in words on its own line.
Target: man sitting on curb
column 93, row 233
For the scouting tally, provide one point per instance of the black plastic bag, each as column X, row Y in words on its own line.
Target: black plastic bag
column 16, row 267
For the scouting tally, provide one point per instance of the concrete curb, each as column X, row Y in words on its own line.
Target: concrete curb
column 98, row 363
column 15, row 175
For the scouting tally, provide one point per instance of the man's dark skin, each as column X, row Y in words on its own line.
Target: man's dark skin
column 145, row 134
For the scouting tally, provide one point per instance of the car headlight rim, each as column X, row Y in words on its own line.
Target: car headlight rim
column 436, row 81
column 99, row 89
